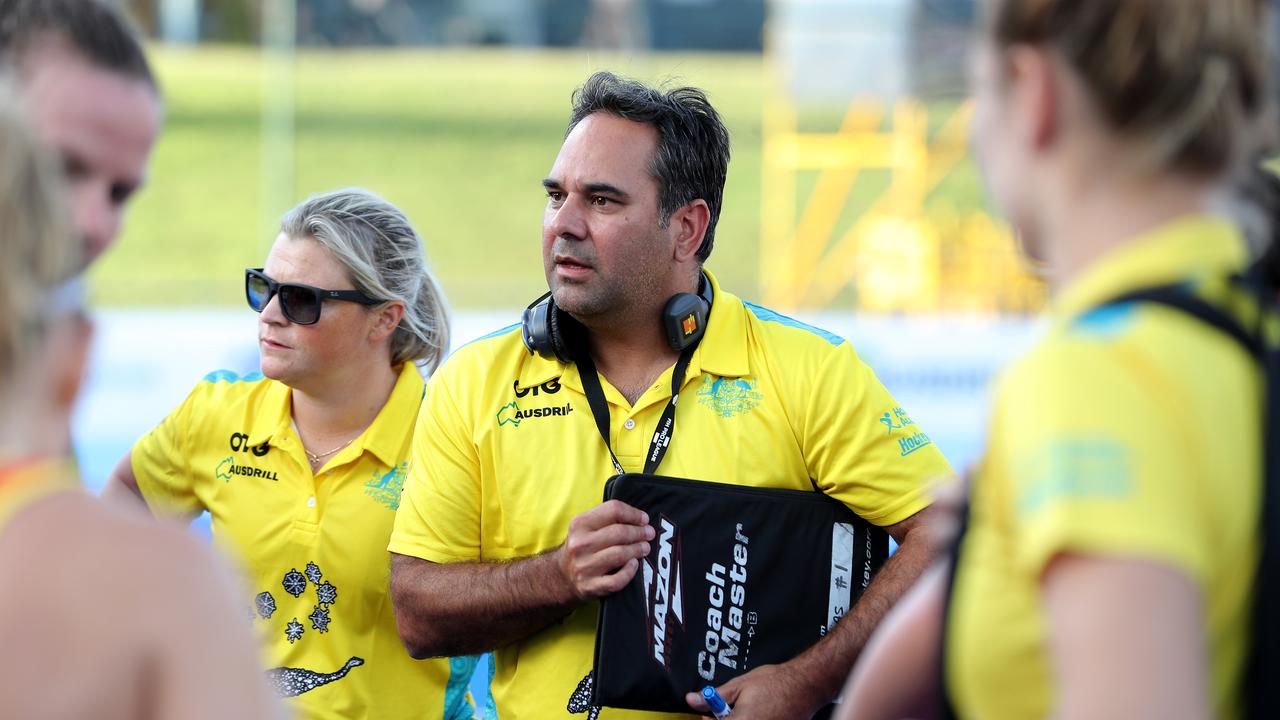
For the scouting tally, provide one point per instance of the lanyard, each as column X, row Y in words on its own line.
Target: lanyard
column 600, row 408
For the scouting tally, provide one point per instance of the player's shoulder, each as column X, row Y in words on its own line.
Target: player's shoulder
column 75, row 538
column 479, row 371
column 500, row 353
column 775, row 329
column 790, row 345
column 112, row 586
column 505, row 342
column 231, row 378
column 228, row 385
column 1124, row 340
column 84, row 520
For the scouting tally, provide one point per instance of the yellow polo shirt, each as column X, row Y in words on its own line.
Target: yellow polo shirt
column 506, row 453
column 314, row 547
column 1128, row 431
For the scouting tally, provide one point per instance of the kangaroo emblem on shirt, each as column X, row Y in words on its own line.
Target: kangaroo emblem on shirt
column 291, row 682
column 580, row 701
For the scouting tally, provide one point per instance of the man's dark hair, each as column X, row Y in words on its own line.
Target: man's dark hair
column 692, row 158
column 93, row 28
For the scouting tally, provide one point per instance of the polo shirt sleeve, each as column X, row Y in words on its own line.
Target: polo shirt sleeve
column 160, row 462
column 1101, row 466
column 439, row 514
column 861, row 447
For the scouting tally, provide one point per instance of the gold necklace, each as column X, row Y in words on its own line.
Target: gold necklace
column 315, row 458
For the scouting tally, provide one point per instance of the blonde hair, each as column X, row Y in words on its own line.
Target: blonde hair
column 383, row 256
column 38, row 247
column 1185, row 80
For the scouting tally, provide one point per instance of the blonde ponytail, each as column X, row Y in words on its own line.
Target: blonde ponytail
column 38, row 249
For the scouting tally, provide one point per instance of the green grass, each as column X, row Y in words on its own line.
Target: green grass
column 458, row 139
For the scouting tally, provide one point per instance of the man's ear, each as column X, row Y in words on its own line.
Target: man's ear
column 688, row 227
column 386, row 320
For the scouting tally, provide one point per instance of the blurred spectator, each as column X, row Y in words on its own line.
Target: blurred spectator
column 90, row 97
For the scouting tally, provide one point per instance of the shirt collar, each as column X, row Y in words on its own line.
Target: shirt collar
column 384, row 437
column 538, row 370
column 722, row 351
column 1187, row 249
column 274, row 414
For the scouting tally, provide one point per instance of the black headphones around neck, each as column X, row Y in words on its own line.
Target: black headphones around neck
column 550, row 332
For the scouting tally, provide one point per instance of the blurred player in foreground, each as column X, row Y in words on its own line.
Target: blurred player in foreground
column 102, row 614
column 1108, row 566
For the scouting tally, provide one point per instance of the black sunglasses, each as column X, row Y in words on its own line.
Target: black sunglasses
column 300, row 303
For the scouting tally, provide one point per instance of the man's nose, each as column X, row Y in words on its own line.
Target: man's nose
column 567, row 221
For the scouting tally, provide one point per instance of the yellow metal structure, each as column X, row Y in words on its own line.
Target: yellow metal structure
column 903, row 251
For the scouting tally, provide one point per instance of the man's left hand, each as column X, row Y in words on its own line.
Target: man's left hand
column 769, row 692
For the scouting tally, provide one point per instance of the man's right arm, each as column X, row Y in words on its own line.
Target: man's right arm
column 450, row 596
column 464, row 608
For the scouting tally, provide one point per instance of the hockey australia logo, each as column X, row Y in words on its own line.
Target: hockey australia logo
column 729, row 397
column 663, row 593
column 386, row 487
column 909, row 439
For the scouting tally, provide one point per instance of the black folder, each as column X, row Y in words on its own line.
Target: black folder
column 736, row 577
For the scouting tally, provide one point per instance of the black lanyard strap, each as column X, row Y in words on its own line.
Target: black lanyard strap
column 600, row 408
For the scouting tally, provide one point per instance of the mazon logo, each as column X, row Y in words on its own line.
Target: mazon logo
column 663, row 598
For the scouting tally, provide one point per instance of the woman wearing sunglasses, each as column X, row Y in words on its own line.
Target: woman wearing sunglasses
column 301, row 466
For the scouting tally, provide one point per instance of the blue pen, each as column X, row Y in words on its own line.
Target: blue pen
column 719, row 708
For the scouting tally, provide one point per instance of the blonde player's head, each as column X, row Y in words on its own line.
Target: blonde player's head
column 1148, row 88
column 38, row 250
column 42, row 350
column 383, row 257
